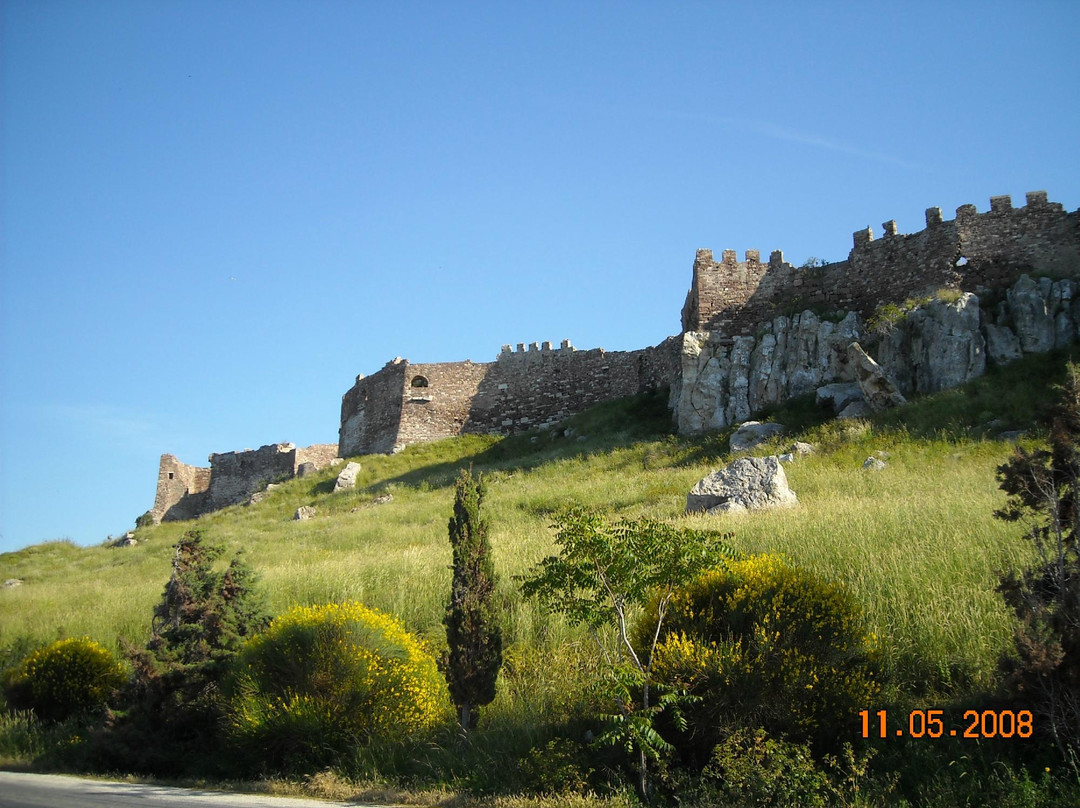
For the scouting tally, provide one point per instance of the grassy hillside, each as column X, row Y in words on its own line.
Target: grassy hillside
column 917, row 541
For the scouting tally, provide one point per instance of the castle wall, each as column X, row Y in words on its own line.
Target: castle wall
column 437, row 399
column 532, row 387
column 975, row 250
column 181, row 490
column 320, row 455
column 235, row 476
column 371, row 412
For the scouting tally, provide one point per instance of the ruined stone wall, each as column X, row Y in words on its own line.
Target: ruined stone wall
column 537, row 387
column 181, row 490
column 532, row 387
column 976, row 250
column 320, row 455
column 235, row 476
column 371, row 412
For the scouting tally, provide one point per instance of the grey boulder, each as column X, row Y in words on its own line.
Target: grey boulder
column 747, row 484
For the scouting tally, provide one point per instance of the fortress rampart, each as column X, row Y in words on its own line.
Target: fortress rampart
column 971, row 251
column 184, row 492
column 532, row 387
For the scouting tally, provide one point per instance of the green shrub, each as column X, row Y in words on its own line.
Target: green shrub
column 766, row 645
column 752, row 769
column 325, row 679
column 561, row 766
column 68, row 677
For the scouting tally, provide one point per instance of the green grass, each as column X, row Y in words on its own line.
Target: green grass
column 916, row 542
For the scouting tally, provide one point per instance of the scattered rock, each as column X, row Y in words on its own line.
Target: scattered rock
column 800, row 448
column 11, row 583
column 347, row 478
column 382, row 500
column 754, row 433
column 878, row 389
column 304, row 512
column 787, row 457
column 749, row 483
column 873, row 464
column 1012, row 435
column 856, row 409
column 304, row 469
column 257, row 497
column 127, row 541
column 838, row 395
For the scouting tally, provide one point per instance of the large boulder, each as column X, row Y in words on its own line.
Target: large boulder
column 346, row 479
column 879, row 390
column 838, row 395
column 753, row 433
column 749, row 483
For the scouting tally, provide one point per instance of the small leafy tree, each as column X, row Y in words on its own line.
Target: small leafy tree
column 1044, row 490
column 604, row 574
column 472, row 628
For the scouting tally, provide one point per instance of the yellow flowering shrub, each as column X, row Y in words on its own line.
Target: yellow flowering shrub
column 322, row 680
column 62, row 679
column 766, row 644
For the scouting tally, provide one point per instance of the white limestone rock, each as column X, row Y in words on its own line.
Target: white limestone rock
column 1032, row 322
column 879, row 390
column 346, row 478
column 838, row 395
column 1002, row 346
column 754, row 433
column 749, row 483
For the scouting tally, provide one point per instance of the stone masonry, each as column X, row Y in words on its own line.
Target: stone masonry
column 973, row 251
column 185, row 492
column 532, row 387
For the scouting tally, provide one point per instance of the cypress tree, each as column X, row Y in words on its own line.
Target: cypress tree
column 472, row 630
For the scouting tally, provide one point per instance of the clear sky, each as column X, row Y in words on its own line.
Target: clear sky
column 216, row 214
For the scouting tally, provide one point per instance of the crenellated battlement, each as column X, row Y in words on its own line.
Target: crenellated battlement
column 535, row 347
column 973, row 250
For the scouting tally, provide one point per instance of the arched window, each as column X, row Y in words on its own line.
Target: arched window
column 419, row 381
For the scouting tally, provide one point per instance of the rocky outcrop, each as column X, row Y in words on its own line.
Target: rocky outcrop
column 940, row 344
column 750, row 483
column 723, row 380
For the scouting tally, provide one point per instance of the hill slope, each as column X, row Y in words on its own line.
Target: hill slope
column 916, row 541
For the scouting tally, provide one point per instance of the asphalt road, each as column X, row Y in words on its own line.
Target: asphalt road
column 23, row 790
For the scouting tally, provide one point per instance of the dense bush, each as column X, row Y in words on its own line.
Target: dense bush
column 766, row 645
column 170, row 718
column 324, row 679
column 62, row 679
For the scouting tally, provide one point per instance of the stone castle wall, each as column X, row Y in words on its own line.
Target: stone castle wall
column 185, row 492
column 973, row 251
column 532, row 387
column 181, row 490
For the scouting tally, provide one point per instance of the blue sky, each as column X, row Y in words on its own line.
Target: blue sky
column 216, row 214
